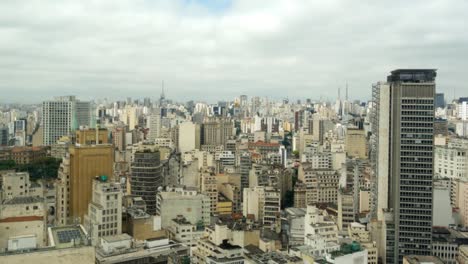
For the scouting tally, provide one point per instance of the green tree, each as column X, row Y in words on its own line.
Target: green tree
column 43, row 168
column 7, row 165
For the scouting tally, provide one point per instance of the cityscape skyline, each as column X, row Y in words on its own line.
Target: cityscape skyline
column 233, row 132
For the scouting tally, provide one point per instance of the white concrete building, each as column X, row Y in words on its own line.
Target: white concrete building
column 463, row 110
column 153, row 123
column 15, row 184
column 174, row 201
column 186, row 233
column 187, row 136
column 22, row 223
column 451, row 161
column 317, row 224
column 104, row 216
column 263, row 202
column 296, row 222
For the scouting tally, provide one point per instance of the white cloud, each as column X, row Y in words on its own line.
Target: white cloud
column 301, row 48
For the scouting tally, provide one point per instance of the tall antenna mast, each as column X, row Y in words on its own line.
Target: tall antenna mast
column 346, row 90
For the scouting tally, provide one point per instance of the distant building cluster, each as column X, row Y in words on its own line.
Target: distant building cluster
column 249, row 180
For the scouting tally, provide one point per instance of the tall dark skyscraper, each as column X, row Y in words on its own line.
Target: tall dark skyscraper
column 403, row 128
column 245, row 166
column 146, row 175
column 439, row 100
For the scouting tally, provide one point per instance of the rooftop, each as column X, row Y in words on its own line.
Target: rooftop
column 24, row 200
column 67, row 236
column 117, row 238
column 412, row 75
column 413, row 259
column 295, row 211
column 347, row 249
column 181, row 220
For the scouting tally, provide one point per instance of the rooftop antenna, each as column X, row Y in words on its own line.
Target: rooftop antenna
column 162, row 89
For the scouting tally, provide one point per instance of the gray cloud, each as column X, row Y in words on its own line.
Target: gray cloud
column 298, row 48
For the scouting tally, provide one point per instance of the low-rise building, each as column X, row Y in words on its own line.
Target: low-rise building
column 262, row 202
column 208, row 251
column 295, row 224
column 123, row 249
column 22, row 223
column 182, row 231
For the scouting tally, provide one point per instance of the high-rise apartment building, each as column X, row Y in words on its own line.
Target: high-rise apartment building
column 104, row 216
column 146, row 175
column 209, row 188
column 403, row 128
column 153, row 123
column 63, row 115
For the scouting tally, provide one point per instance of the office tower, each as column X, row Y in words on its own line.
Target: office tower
column 403, row 127
column 217, row 131
column 87, row 162
column 104, row 216
column 63, row 115
column 439, row 100
column 463, row 110
column 84, row 114
column 146, row 175
column 147, row 102
column 20, row 132
column 3, row 135
column 245, row 165
column 129, row 116
column 153, row 123
column 243, row 100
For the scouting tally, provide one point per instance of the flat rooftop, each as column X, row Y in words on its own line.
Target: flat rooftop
column 24, row 200
column 117, row 238
column 68, row 236
column 413, row 259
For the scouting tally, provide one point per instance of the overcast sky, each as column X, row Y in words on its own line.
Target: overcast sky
column 218, row 49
